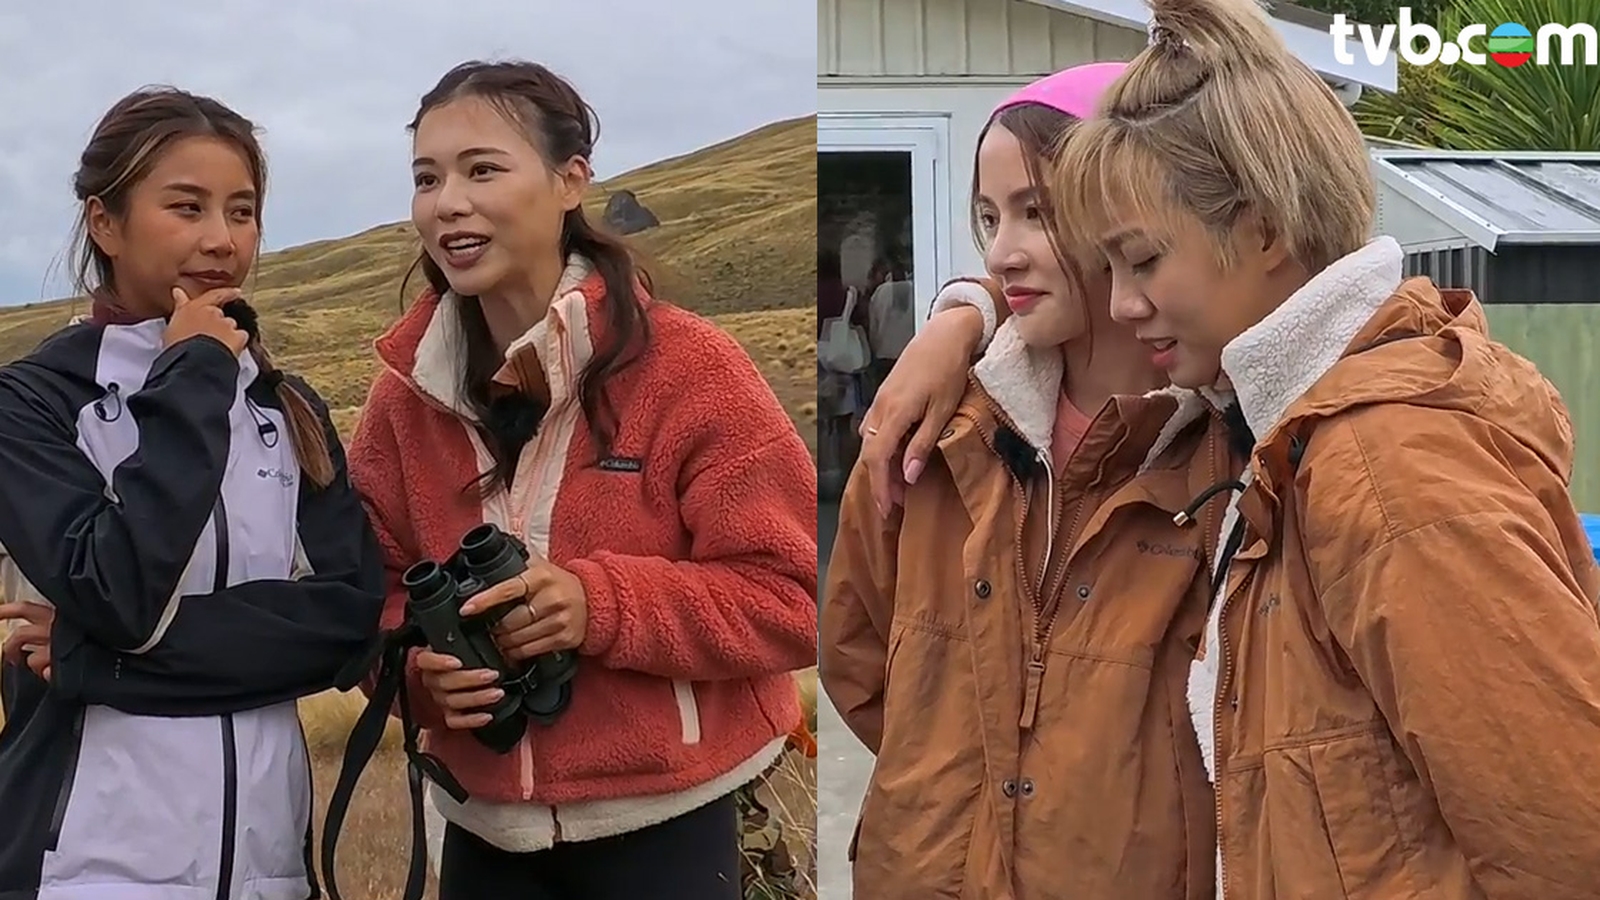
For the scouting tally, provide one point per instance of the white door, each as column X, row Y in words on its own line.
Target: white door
column 884, row 175
column 883, row 223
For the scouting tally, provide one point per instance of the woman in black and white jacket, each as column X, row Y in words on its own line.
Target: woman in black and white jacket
column 182, row 509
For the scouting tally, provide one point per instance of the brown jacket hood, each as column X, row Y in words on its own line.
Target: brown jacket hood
column 1359, row 335
column 1430, row 347
column 1025, row 384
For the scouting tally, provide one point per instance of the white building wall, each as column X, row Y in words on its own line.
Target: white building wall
column 953, row 58
column 959, row 38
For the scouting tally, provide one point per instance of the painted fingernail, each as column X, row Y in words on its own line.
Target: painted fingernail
column 913, row 469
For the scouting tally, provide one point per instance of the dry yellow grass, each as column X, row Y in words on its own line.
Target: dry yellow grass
column 736, row 242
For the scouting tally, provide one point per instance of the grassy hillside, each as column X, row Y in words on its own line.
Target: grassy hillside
column 736, row 242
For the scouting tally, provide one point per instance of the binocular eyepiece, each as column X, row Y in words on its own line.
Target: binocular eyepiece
column 435, row 591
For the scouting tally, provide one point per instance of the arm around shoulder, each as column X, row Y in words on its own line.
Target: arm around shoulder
column 981, row 295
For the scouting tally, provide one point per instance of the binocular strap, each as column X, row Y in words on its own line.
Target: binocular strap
column 363, row 742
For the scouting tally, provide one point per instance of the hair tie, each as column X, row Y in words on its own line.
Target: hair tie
column 1163, row 36
column 271, row 379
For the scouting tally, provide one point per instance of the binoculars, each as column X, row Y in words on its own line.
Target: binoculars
column 538, row 691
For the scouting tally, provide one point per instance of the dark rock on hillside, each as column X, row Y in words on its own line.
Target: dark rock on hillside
column 626, row 215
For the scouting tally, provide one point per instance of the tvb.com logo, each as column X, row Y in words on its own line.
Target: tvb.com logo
column 1508, row 44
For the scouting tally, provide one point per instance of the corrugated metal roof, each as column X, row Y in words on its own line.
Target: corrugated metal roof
column 1502, row 198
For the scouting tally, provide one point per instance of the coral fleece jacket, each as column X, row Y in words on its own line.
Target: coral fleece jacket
column 694, row 539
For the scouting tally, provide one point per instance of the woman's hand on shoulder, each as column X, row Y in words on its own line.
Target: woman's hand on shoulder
column 921, row 392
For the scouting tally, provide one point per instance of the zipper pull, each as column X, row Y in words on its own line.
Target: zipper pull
column 1030, row 694
column 114, row 394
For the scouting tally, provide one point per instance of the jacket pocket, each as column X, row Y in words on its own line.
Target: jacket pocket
column 929, row 778
column 1295, row 833
column 1348, row 840
column 688, row 711
column 68, row 776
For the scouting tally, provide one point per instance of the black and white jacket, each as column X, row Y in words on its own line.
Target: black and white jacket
column 201, row 586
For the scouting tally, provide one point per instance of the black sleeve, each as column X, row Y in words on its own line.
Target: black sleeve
column 110, row 561
column 256, row 643
column 12, row 695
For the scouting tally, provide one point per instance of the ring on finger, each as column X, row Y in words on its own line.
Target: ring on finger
column 872, row 431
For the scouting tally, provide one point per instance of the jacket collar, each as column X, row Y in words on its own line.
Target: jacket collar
column 142, row 337
column 1019, row 387
column 1025, row 384
column 424, row 347
column 1275, row 362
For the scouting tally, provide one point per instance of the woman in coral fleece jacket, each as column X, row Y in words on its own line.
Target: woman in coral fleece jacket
column 667, row 499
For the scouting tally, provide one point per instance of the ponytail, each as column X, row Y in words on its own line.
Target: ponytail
column 627, row 325
column 1214, row 120
column 1226, row 36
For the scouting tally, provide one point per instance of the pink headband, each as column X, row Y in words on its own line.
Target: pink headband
column 1075, row 91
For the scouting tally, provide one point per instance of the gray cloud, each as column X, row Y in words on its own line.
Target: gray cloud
column 332, row 85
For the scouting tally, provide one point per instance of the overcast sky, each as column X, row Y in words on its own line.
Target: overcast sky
column 332, row 84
